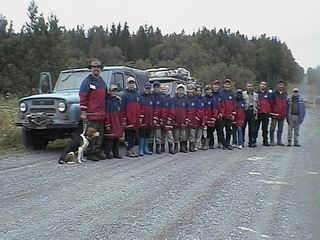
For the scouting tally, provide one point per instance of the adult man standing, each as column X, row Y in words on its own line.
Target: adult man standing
column 295, row 116
column 251, row 110
column 278, row 112
column 228, row 112
column 263, row 113
column 92, row 104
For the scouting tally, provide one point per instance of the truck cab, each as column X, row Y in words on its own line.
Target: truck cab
column 55, row 113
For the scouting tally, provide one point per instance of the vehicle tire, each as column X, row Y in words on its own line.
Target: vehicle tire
column 33, row 141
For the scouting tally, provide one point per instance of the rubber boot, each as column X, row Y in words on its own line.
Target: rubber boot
column 163, row 147
column 192, row 147
column 150, row 146
column 203, row 144
column 279, row 141
column 272, row 138
column 176, row 145
column 146, row 147
column 141, row 145
column 184, row 146
column 158, row 148
column 171, row 149
column 206, row 144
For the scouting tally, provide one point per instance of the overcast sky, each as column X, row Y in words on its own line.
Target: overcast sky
column 294, row 22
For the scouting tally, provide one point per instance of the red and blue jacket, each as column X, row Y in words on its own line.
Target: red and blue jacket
column 241, row 113
column 158, row 106
column 211, row 110
column 193, row 107
column 177, row 114
column 228, row 106
column 131, row 100
column 93, row 97
column 113, row 121
column 147, row 101
column 278, row 105
column 264, row 102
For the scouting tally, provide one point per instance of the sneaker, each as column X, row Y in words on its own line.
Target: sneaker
column 266, row 144
column 297, row 145
column 240, row 147
column 281, row 144
column 94, row 158
column 289, row 145
column 234, row 145
column 130, row 153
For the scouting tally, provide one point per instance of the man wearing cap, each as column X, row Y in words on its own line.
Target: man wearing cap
column 228, row 112
column 278, row 112
column 132, row 109
column 295, row 116
column 92, row 104
column 158, row 99
column 251, row 100
column 114, row 123
column 264, row 109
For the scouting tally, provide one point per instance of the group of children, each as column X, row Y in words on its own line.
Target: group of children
column 188, row 120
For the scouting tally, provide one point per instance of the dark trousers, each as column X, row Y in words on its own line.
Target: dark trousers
column 224, row 137
column 111, row 145
column 130, row 136
column 264, row 119
column 96, row 145
column 145, row 132
column 210, row 132
column 250, row 120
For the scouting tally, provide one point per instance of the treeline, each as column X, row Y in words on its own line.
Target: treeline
column 45, row 45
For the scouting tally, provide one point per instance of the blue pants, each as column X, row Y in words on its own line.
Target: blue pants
column 237, row 137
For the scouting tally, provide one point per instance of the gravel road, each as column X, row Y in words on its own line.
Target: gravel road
column 262, row 193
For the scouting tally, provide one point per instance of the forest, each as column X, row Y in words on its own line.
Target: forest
column 44, row 44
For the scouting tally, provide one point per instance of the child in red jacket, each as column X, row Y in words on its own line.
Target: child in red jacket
column 131, row 100
column 114, row 123
column 237, row 137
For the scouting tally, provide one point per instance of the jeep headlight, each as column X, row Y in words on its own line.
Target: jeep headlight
column 62, row 106
column 23, row 107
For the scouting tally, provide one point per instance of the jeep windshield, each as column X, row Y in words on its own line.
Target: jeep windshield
column 72, row 80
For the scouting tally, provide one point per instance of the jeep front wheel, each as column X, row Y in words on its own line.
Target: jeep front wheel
column 33, row 141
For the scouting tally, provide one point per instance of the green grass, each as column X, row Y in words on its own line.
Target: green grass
column 10, row 134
